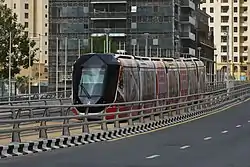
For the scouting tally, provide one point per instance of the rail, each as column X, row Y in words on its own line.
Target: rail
column 34, row 96
column 156, row 109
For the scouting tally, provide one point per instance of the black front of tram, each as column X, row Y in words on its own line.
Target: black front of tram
column 95, row 78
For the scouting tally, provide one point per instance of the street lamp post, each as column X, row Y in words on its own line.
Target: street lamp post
column 10, row 50
column 107, row 30
column 57, row 61
column 29, row 72
column 199, row 52
column 39, row 67
column 228, row 68
column 65, row 67
column 146, row 46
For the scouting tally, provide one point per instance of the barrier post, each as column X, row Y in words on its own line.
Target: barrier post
column 104, row 123
column 16, row 134
column 65, row 130
column 130, row 121
column 117, row 123
column 85, row 127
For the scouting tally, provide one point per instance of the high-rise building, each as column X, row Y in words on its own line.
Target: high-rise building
column 33, row 14
column 229, row 22
column 167, row 26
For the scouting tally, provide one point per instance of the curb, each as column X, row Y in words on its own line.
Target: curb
column 42, row 145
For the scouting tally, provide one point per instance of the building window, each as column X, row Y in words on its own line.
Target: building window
column 46, row 43
column 223, row 49
column 224, row 1
column 46, row 6
column 45, row 70
column 235, row 29
column 46, row 25
column 211, row 28
column 224, row 28
column 245, row 48
column 26, row 24
column 211, row 20
column 245, row 38
column 211, row 10
column 46, row 34
column 26, row 6
column 235, row 10
column 235, row 1
column 86, row 26
column 235, row 19
column 26, row 15
column 211, row 1
column 46, row 16
column 235, row 39
column 46, row 61
column 235, row 49
column 224, row 19
column 223, row 38
column 235, row 59
column 14, row 6
column 45, row 52
column 204, row 9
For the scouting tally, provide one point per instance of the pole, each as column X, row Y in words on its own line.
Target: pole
column 10, row 66
column 150, row 51
column 65, row 68
column 146, row 46
column 134, row 50
column 79, row 48
column 57, row 57
column 29, row 74
column 107, row 43
column 92, row 46
column 39, row 67
column 228, row 69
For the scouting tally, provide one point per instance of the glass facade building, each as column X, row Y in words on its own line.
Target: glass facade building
column 166, row 27
column 68, row 36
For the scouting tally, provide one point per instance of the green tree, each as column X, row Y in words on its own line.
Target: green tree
column 22, row 83
column 98, row 45
column 21, row 45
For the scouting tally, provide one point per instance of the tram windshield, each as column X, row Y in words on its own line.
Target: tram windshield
column 91, row 83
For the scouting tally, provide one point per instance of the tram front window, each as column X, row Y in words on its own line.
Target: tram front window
column 91, row 84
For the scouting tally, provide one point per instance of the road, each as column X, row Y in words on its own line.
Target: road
column 221, row 140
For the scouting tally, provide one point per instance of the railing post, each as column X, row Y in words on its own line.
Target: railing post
column 104, row 123
column 141, row 113
column 117, row 122
column 65, row 130
column 16, row 135
column 85, row 127
column 31, row 113
column 130, row 121
column 163, row 103
column 43, row 132
column 152, row 115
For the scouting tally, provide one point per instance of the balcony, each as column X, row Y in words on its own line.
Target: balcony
column 109, row 16
column 188, row 35
column 187, row 4
column 107, row 1
column 114, row 32
column 188, row 20
column 243, row 23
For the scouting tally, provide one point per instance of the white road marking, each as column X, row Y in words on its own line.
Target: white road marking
column 225, row 131
column 207, row 138
column 238, row 126
column 152, row 156
column 184, row 147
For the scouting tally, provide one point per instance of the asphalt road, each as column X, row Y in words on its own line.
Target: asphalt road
column 220, row 140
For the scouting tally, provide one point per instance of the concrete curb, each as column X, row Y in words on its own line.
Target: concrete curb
column 19, row 149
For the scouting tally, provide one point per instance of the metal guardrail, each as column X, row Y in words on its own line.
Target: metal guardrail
column 45, row 95
column 160, row 108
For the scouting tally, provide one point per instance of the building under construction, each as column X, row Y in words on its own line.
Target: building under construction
column 163, row 28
